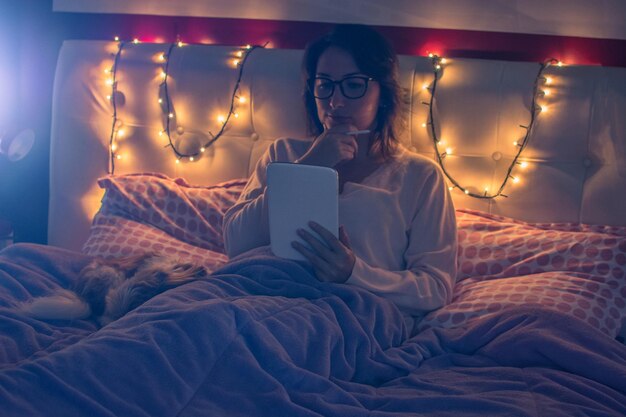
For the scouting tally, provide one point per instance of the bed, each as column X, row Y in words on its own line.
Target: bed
column 537, row 320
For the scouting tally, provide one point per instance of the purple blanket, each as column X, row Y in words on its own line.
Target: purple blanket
column 262, row 337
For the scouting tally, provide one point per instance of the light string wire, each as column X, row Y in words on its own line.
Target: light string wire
column 535, row 109
column 171, row 112
column 113, row 99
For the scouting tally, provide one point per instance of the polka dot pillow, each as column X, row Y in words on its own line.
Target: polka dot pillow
column 503, row 263
column 191, row 214
column 115, row 236
column 502, row 247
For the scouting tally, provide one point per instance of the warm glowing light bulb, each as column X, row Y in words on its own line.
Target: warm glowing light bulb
column 239, row 54
column 423, row 124
column 523, row 164
column 451, row 188
column 191, row 158
column 549, row 80
column 160, row 100
column 162, row 57
column 546, row 92
column 515, row 179
column 466, row 191
column 117, row 39
column 221, row 118
column 135, row 41
column 180, row 44
column 163, row 74
column 443, row 60
column 178, row 160
column 425, row 86
column 121, row 133
column 242, row 99
column 515, row 143
column 248, row 46
column 430, row 55
column 236, row 115
column 449, row 151
column 202, row 149
column 543, row 109
column 109, row 81
column 119, row 156
column 559, row 64
column 161, row 132
column 437, row 66
column 108, row 97
column 235, row 62
column 171, row 115
column 113, row 147
column 107, row 70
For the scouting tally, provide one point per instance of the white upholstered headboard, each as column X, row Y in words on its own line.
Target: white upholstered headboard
column 577, row 154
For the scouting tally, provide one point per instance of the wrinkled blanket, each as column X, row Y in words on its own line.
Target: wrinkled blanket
column 262, row 337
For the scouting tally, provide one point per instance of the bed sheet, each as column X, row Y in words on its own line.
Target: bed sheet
column 262, row 336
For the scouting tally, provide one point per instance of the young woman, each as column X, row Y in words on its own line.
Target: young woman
column 398, row 233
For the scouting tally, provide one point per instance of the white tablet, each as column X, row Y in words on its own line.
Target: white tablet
column 297, row 194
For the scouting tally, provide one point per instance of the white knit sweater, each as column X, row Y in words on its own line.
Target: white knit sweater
column 400, row 221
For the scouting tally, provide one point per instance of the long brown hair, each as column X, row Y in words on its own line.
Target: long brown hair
column 375, row 57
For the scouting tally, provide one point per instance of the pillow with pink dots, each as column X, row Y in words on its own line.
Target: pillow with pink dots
column 152, row 212
column 115, row 237
column 503, row 263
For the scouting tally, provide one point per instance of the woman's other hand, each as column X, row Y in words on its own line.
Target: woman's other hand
column 332, row 147
column 331, row 258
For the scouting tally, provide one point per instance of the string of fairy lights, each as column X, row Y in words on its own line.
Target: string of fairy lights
column 238, row 61
column 539, row 90
column 116, row 132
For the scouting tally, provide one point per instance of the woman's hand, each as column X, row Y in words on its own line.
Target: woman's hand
column 332, row 147
column 331, row 258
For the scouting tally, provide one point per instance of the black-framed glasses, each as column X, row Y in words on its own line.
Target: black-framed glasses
column 352, row 87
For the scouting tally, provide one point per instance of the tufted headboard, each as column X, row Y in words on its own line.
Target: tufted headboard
column 576, row 154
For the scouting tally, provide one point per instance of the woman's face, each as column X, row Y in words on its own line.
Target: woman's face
column 336, row 64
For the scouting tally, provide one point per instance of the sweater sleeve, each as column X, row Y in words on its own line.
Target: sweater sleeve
column 427, row 282
column 246, row 224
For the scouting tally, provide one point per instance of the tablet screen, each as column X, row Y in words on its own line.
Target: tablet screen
column 297, row 194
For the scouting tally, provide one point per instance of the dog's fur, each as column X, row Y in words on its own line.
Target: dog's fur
column 108, row 289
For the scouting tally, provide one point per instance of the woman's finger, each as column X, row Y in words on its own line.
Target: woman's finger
column 343, row 237
column 333, row 243
column 318, row 263
column 318, row 246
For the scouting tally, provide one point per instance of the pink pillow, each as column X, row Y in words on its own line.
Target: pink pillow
column 503, row 263
column 191, row 214
column 502, row 247
column 115, row 236
column 596, row 300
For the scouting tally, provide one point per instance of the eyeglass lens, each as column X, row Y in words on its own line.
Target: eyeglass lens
column 351, row 87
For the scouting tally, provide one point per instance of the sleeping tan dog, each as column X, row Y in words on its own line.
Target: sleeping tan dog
column 108, row 289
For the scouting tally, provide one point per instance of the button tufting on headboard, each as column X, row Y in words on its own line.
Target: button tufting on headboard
column 479, row 107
